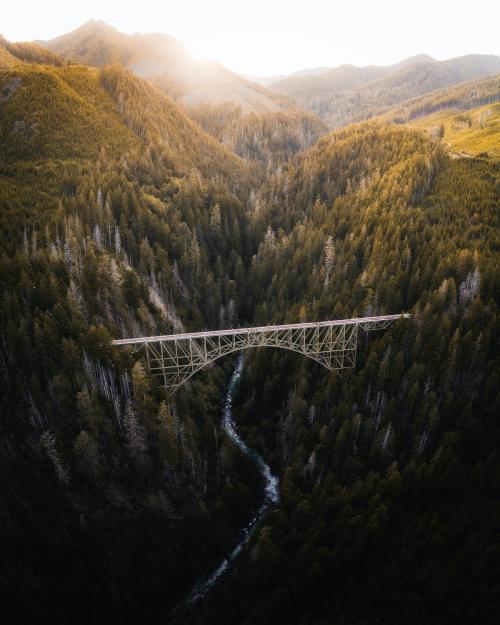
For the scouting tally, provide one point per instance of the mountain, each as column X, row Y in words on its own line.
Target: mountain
column 288, row 81
column 25, row 52
column 97, row 44
column 124, row 214
column 312, row 71
column 464, row 117
column 162, row 57
column 383, row 467
column 306, row 83
column 464, row 96
column 269, row 139
column 119, row 216
column 268, row 81
column 349, row 94
column 413, row 60
column 265, row 81
column 101, row 108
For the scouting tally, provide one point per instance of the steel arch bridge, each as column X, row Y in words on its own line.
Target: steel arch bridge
column 333, row 344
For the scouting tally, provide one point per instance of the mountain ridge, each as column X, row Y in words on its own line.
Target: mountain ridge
column 349, row 94
column 338, row 95
column 125, row 214
column 157, row 56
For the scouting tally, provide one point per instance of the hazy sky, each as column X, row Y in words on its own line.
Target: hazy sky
column 263, row 37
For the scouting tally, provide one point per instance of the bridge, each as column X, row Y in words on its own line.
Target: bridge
column 177, row 357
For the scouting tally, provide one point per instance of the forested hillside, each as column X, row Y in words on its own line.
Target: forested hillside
column 465, row 118
column 123, row 215
column 307, row 84
column 119, row 216
column 267, row 138
column 25, row 52
column 476, row 132
column 462, row 97
column 389, row 473
column 347, row 95
column 165, row 60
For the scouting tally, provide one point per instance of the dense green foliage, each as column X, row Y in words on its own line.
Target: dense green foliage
column 108, row 229
column 390, row 473
column 121, row 216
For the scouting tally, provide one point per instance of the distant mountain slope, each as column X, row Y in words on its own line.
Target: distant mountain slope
column 467, row 133
column 268, row 138
column 265, row 81
column 25, row 52
column 159, row 56
column 96, row 109
column 337, row 99
column 312, row 71
column 308, row 83
column 6, row 58
column 96, row 43
column 464, row 117
column 303, row 87
column 268, row 81
column 464, row 96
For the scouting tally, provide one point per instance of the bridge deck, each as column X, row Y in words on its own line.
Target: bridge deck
column 259, row 329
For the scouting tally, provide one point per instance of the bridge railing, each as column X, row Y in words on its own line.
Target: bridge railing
column 365, row 323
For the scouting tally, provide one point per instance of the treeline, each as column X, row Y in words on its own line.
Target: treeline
column 463, row 97
column 376, row 97
column 29, row 52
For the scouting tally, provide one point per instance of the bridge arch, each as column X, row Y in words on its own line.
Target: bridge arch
column 177, row 357
column 174, row 384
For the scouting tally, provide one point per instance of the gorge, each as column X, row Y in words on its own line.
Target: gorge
column 130, row 208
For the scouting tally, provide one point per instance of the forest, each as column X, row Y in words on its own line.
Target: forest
column 389, row 475
column 349, row 94
column 125, row 213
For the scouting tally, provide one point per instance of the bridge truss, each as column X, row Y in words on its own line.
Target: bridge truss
column 333, row 344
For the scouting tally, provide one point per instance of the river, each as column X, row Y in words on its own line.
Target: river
column 271, row 491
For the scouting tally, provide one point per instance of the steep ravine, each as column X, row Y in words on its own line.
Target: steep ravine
column 270, row 499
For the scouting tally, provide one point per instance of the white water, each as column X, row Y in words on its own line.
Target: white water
column 271, row 492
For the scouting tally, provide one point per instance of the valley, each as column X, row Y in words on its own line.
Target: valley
column 144, row 192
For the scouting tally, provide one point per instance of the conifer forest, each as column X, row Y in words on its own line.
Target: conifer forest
column 144, row 193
